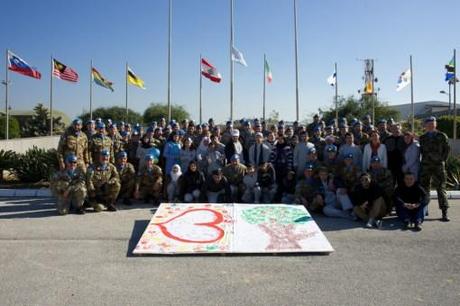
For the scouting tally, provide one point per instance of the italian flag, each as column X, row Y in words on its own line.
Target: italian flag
column 209, row 71
column 268, row 72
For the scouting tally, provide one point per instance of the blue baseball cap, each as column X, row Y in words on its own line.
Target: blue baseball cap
column 105, row 152
column 122, row 154
column 100, row 125
column 71, row 158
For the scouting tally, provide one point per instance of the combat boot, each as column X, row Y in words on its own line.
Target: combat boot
column 444, row 217
column 111, row 207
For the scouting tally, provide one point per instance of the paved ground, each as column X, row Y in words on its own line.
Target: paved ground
column 81, row 260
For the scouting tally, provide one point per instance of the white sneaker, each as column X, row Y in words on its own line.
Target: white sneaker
column 370, row 223
column 379, row 224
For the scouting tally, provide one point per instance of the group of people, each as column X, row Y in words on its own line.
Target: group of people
column 345, row 169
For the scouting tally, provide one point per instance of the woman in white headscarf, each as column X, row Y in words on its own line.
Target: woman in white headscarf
column 202, row 154
column 173, row 186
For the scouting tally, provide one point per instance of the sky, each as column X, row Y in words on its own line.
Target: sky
column 113, row 32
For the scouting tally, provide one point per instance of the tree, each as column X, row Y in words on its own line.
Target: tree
column 273, row 118
column 156, row 111
column 14, row 129
column 39, row 124
column 116, row 113
column 353, row 108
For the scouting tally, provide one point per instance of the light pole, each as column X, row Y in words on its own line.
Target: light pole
column 449, row 95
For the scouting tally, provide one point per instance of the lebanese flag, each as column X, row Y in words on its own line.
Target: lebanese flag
column 209, row 71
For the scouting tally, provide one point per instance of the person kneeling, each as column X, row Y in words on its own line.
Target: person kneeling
column 192, row 181
column 103, row 183
column 127, row 175
column 217, row 188
column 410, row 199
column 149, row 181
column 369, row 205
column 68, row 186
column 252, row 190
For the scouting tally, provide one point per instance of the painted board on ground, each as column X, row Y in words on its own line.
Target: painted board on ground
column 232, row 228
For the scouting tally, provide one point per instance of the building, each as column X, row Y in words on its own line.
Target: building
column 422, row 109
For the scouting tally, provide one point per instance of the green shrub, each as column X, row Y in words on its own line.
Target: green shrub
column 8, row 161
column 14, row 129
column 453, row 172
column 36, row 165
column 446, row 125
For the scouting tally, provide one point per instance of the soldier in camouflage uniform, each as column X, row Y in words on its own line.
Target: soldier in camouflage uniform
column 103, row 183
column 235, row 172
column 68, row 186
column 127, row 177
column 383, row 177
column 149, row 182
column 116, row 139
column 90, row 129
column 361, row 138
column 434, row 148
column 74, row 141
column 305, row 191
column 319, row 142
column 100, row 142
column 382, row 129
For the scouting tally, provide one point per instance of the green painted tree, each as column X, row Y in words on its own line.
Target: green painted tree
column 39, row 124
column 354, row 108
column 156, row 111
column 116, row 113
column 14, row 129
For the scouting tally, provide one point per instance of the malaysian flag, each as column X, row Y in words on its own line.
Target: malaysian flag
column 63, row 72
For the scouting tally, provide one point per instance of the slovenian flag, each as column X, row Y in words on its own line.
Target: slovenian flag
column 100, row 80
column 209, row 71
column 404, row 80
column 16, row 64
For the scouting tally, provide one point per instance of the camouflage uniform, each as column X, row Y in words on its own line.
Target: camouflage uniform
column 70, row 142
column 103, row 185
column 434, row 149
column 127, row 179
column 74, row 184
column 361, row 139
column 150, row 182
column 117, row 143
column 98, row 143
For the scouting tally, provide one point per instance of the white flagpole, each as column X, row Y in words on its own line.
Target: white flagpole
column 126, row 96
column 91, row 91
column 296, row 62
column 201, row 89
column 336, row 97
column 231, row 61
column 7, row 110
column 51, row 96
column 263, row 95
column 169, row 60
column 412, row 94
column 455, row 96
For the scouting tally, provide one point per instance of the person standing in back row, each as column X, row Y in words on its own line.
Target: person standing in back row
column 435, row 149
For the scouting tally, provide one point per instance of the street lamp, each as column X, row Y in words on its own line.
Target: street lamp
column 449, row 95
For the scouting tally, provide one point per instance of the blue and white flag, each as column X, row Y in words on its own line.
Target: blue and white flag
column 238, row 57
column 332, row 79
column 404, row 80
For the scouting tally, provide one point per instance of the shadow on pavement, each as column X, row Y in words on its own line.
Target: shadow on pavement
column 327, row 224
column 17, row 208
column 138, row 230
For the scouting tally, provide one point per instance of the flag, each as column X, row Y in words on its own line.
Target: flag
column 332, row 79
column 209, row 71
column 63, row 72
column 238, row 57
column 450, row 70
column 134, row 79
column 404, row 79
column 100, row 80
column 268, row 72
column 17, row 64
column 368, row 88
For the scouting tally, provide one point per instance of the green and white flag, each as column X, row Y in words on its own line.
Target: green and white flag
column 268, row 72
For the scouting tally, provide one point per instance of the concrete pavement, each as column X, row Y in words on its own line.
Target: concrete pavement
column 46, row 259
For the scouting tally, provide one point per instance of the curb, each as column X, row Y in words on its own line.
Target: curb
column 46, row 193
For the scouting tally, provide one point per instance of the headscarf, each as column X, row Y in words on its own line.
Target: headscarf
column 175, row 175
